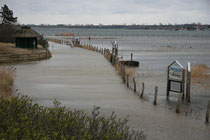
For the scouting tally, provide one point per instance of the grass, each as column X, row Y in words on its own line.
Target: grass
column 10, row 54
column 200, row 73
column 54, row 40
column 6, row 82
column 9, row 48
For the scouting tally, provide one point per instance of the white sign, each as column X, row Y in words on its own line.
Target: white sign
column 175, row 86
column 176, row 71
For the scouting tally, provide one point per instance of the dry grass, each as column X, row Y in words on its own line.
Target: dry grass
column 87, row 47
column 54, row 40
column 9, row 48
column 130, row 71
column 200, row 74
column 10, row 54
column 6, row 82
column 107, row 55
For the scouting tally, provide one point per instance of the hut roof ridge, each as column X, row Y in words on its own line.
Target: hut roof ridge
column 26, row 31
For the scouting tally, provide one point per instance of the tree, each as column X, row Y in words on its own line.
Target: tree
column 7, row 15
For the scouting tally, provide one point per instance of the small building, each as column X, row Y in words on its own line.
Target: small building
column 27, row 38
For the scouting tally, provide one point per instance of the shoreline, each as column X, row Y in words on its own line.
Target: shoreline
column 10, row 54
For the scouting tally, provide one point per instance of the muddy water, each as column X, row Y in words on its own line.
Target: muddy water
column 81, row 79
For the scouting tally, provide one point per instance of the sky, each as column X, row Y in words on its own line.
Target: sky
column 110, row 11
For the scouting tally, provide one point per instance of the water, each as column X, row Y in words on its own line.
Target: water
column 155, row 50
column 81, row 79
column 67, row 77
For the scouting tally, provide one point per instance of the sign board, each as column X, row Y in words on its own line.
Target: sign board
column 175, row 71
column 175, row 86
column 175, row 78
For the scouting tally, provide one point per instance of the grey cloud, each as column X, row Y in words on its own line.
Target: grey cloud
column 74, row 9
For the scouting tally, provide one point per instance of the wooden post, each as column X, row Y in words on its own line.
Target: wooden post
column 142, row 92
column 128, row 80
column 155, row 98
column 113, row 59
column 134, row 84
column 188, row 84
column 123, row 75
column 208, row 112
column 178, row 107
column 131, row 56
column 116, row 52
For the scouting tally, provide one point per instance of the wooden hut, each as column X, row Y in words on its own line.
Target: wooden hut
column 27, row 38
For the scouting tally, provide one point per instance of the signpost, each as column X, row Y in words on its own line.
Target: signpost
column 114, row 51
column 188, row 84
column 175, row 78
column 89, row 38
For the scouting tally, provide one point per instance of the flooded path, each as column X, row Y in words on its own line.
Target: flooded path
column 81, row 79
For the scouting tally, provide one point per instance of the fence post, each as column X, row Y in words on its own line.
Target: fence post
column 127, row 80
column 155, row 98
column 134, row 84
column 131, row 56
column 142, row 92
column 123, row 75
column 208, row 112
column 178, row 107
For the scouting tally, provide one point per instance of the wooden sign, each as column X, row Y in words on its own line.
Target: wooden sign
column 175, row 71
column 175, row 78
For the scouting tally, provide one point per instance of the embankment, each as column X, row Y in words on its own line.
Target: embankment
column 10, row 54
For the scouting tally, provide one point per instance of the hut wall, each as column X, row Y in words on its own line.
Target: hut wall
column 26, row 43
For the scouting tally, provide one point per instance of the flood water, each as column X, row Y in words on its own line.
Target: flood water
column 81, row 79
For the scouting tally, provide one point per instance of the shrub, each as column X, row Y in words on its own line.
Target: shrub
column 20, row 119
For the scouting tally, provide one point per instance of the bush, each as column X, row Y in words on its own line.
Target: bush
column 20, row 119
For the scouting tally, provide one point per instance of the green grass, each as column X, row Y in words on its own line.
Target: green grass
column 20, row 119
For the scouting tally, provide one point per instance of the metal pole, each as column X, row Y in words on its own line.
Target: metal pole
column 188, row 85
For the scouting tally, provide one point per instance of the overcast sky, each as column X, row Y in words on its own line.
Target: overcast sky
column 109, row 11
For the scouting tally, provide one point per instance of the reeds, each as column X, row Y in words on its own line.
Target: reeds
column 199, row 73
column 6, row 82
column 9, row 48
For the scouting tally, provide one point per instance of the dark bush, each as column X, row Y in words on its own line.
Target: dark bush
column 20, row 119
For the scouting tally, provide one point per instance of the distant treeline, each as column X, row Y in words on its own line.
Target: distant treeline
column 143, row 27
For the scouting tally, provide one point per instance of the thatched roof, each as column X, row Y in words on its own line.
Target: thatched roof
column 27, row 32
